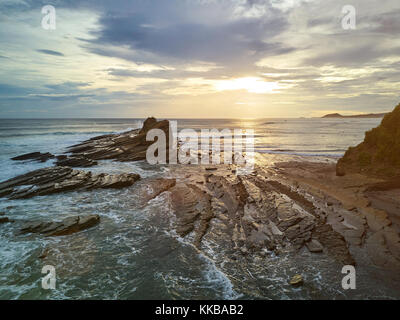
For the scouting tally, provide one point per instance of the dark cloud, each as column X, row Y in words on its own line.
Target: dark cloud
column 63, row 91
column 50, row 52
column 235, row 42
column 387, row 23
column 59, row 97
column 356, row 55
column 67, row 86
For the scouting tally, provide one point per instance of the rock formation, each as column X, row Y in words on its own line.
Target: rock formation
column 379, row 154
column 4, row 220
column 252, row 213
column 296, row 281
column 37, row 156
column 60, row 179
column 154, row 187
column 127, row 146
column 240, row 215
column 76, row 161
column 65, row 227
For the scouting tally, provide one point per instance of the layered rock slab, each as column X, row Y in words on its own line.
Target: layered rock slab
column 251, row 214
column 76, row 161
column 61, row 179
column 65, row 227
column 35, row 156
column 127, row 146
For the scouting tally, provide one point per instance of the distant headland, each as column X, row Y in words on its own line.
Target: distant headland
column 369, row 115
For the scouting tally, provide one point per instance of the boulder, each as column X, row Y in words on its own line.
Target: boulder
column 296, row 281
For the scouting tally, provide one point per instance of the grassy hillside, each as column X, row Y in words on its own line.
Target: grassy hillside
column 379, row 154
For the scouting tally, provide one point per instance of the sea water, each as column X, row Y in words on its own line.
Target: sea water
column 133, row 253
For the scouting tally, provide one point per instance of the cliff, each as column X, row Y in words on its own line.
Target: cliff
column 379, row 154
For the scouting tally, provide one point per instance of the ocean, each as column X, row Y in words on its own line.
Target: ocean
column 328, row 137
column 133, row 254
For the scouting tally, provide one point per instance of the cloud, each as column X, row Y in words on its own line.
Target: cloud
column 222, row 37
column 11, row 90
column 50, row 52
column 67, row 86
column 280, row 56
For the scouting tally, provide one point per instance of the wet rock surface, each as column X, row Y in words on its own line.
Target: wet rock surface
column 126, row 146
column 154, row 187
column 65, row 227
column 251, row 214
column 37, row 156
column 61, row 179
column 193, row 210
column 314, row 246
column 4, row 220
column 364, row 211
column 77, row 161
column 296, row 281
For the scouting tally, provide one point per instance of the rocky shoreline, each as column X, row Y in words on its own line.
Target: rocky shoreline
column 61, row 179
column 287, row 204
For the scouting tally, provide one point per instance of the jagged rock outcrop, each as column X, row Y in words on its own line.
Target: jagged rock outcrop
column 75, row 161
column 193, row 210
column 154, row 187
column 127, row 146
column 37, row 156
column 60, row 179
column 250, row 214
column 314, row 246
column 379, row 154
column 65, row 227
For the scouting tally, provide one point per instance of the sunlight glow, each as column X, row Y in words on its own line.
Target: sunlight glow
column 250, row 84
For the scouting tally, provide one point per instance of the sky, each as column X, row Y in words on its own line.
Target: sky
column 198, row 58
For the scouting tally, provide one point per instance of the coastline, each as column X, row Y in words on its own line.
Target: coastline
column 291, row 213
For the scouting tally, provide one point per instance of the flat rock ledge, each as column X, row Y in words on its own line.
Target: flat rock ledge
column 65, row 227
column 36, row 156
column 78, row 161
column 61, row 179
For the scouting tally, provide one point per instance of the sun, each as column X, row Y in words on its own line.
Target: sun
column 250, row 84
